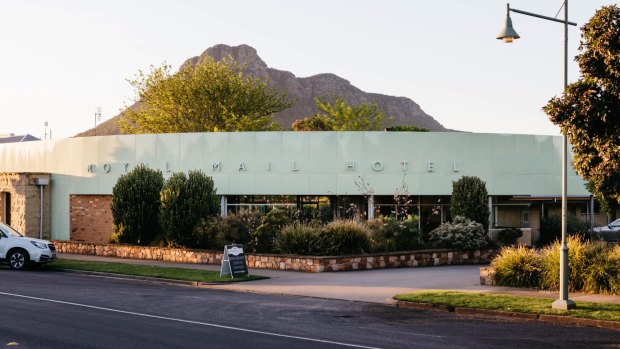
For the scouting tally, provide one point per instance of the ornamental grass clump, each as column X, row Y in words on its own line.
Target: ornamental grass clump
column 297, row 238
column 593, row 267
column 342, row 237
column 578, row 261
column 517, row 267
column 603, row 274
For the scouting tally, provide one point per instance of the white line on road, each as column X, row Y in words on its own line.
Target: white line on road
column 188, row 321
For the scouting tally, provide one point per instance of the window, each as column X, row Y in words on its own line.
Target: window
column 525, row 219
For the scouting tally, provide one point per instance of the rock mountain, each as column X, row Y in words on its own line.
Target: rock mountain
column 303, row 90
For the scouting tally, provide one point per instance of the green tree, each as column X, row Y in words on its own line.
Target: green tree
column 209, row 96
column 470, row 200
column 407, row 128
column 589, row 110
column 338, row 115
column 186, row 200
column 135, row 206
column 314, row 123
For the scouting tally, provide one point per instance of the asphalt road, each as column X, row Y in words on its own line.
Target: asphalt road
column 45, row 309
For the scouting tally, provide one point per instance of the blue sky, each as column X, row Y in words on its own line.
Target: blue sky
column 60, row 60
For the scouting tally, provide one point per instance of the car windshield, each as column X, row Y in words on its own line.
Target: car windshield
column 615, row 223
column 8, row 230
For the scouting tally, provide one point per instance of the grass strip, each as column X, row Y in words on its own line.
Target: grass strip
column 510, row 303
column 149, row 271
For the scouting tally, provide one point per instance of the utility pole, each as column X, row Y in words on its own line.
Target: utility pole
column 97, row 118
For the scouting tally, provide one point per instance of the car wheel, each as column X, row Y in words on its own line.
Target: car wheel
column 18, row 259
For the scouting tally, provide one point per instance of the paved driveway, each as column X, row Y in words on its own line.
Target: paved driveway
column 376, row 286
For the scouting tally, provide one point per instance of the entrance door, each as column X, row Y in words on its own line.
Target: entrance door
column 7, row 208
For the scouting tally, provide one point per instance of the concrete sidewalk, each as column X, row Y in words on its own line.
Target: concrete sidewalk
column 376, row 286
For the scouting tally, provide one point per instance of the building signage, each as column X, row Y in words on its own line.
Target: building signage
column 241, row 166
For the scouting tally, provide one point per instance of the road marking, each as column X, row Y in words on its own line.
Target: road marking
column 188, row 321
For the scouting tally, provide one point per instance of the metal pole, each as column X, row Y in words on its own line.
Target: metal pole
column 591, row 214
column 490, row 226
column 541, row 16
column 563, row 302
column 41, row 223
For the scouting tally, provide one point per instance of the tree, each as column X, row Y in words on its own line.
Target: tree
column 135, row 206
column 314, row 123
column 589, row 110
column 470, row 200
column 608, row 204
column 209, row 96
column 340, row 116
column 185, row 201
column 407, row 128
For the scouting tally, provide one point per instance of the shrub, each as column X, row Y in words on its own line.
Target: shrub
column 578, row 260
column 517, row 267
column 509, row 236
column 602, row 274
column 592, row 267
column 297, row 238
column 389, row 234
column 461, row 233
column 470, row 199
column 135, row 206
column 343, row 237
column 185, row 201
column 207, row 234
column 551, row 228
column 238, row 228
column 261, row 239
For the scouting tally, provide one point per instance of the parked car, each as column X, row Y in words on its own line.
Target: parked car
column 20, row 251
column 609, row 233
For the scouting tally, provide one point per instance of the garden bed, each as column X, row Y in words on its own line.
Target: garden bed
column 312, row 264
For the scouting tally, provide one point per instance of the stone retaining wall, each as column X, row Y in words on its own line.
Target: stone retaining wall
column 487, row 276
column 284, row 262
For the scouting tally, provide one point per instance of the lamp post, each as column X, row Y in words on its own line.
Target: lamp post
column 508, row 34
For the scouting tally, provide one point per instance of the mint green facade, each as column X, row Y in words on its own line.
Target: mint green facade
column 299, row 163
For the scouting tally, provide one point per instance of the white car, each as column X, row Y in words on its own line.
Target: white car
column 19, row 251
column 609, row 233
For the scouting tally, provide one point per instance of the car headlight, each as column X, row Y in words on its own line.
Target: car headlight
column 39, row 245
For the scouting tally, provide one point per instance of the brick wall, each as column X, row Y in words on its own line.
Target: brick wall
column 90, row 218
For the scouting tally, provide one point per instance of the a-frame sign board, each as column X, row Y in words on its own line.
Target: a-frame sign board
column 233, row 261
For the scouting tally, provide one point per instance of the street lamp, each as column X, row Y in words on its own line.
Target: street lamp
column 508, row 34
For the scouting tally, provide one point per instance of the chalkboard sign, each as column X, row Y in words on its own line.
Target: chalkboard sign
column 233, row 262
